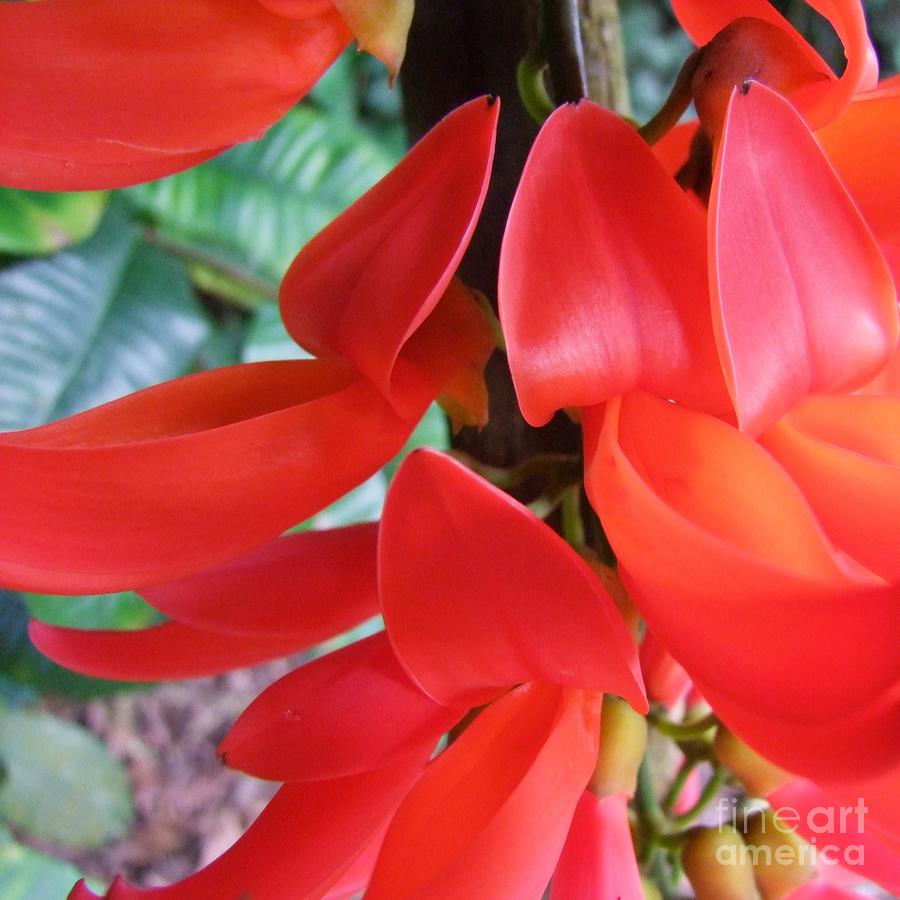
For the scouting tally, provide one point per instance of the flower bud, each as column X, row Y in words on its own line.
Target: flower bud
column 782, row 861
column 758, row 775
column 716, row 863
column 623, row 740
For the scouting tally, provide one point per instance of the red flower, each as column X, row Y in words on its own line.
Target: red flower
column 187, row 474
column 762, row 567
column 99, row 93
column 478, row 596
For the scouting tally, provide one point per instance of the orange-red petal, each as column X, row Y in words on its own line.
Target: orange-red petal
column 181, row 476
column 489, row 816
column 350, row 711
column 478, row 594
column 363, row 286
column 311, row 585
column 802, row 298
column 603, row 273
column 162, row 653
column 96, row 93
column 302, row 843
column 742, row 587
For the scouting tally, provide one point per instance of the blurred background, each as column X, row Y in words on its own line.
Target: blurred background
column 104, row 293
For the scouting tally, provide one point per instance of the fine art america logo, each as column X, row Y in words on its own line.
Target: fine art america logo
column 833, row 835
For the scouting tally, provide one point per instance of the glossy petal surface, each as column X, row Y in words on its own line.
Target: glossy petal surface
column 181, row 476
column 120, row 93
column 598, row 860
column 163, row 653
column 490, row 815
column 603, row 273
column 311, row 585
column 301, row 844
column 350, row 711
column 802, row 298
column 478, row 594
column 365, row 284
column 844, row 453
column 821, row 819
column 736, row 548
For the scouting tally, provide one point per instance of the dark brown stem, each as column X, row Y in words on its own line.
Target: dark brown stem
column 604, row 54
column 564, row 50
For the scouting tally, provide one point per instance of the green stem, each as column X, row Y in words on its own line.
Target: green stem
column 710, row 790
column 677, row 785
column 683, row 731
column 532, row 89
column 572, row 523
column 676, row 103
column 564, row 50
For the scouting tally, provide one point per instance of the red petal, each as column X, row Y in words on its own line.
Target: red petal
column 665, row 679
column 603, row 273
column 815, row 810
column 162, row 653
column 478, row 594
column 802, row 299
column 598, row 861
column 844, row 453
column 822, row 102
column 181, row 476
column 674, row 148
column 301, row 844
column 863, row 145
column 121, row 93
column 365, row 284
column 350, row 711
column 738, row 556
column 490, row 815
column 310, row 585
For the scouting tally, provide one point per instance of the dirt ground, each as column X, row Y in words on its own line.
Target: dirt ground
column 189, row 807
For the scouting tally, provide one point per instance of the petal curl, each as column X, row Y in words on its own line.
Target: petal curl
column 603, row 273
column 310, row 585
column 364, row 285
column 598, row 860
column 489, row 816
column 802, row 298
column 351, row 711
column 301, row 844
column 737, row 549
column 165, row 652
column 181, row 476
column 478, row 594
column 101, row 94
column 844, row 453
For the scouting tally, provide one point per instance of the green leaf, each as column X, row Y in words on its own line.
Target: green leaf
column 33, row 222
column 62, row 785
column 21, row 663
column 91, row 324
column 26, row 874
column 118, row 611
column 267, row 338
column 248, row 211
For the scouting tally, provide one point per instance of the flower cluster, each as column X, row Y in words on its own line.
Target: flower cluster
column 718, row 311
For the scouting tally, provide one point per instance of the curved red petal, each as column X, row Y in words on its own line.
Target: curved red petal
column 310, row 585
column 116, row 94
column 478, row 594
column 665, row 679
column 489, row 816
column 163, row 653
column 674, row 148
column 738, row 554
column 603, row 273
column 181, row 476
column 365, row 284
column 863, row 145
column 822, row 101
column 802, row 298
column 301, row 844
column 844, row 453
column 816, row 816
column 351, row 711
column 598, row 861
